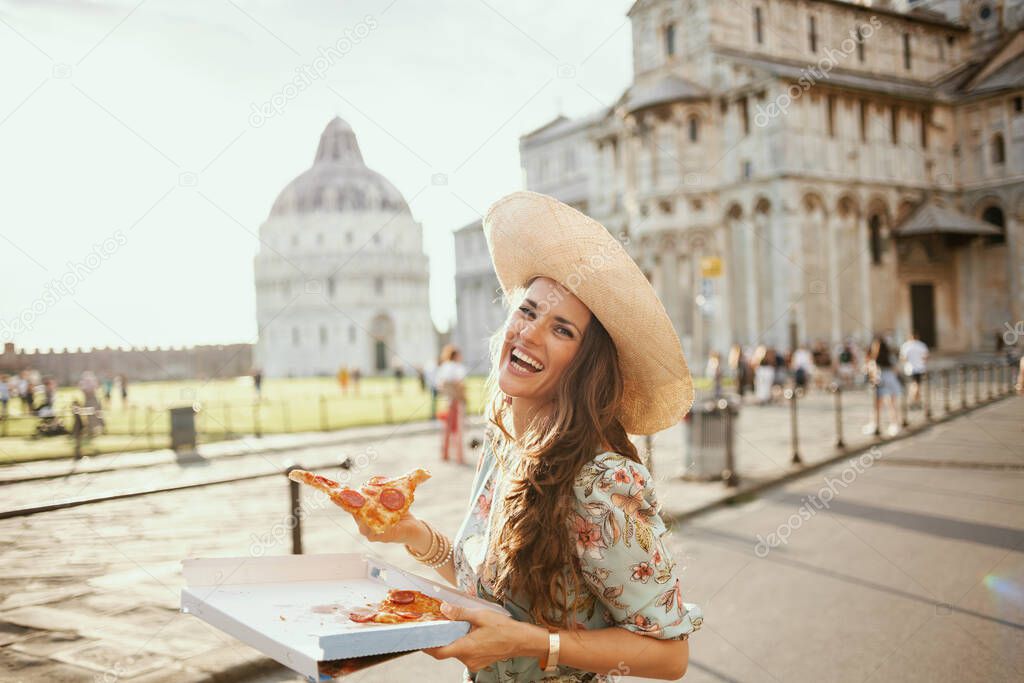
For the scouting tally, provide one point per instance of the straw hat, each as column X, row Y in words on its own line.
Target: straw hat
column 531, row 235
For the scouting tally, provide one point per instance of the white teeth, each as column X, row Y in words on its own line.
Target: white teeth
column 526, row 359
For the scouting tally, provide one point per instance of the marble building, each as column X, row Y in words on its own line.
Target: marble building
column 798, row 170
column 341, row 276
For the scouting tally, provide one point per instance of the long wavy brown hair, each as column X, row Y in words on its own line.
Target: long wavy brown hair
column 535, row 550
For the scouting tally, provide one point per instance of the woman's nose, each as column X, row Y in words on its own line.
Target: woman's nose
column 530, row 331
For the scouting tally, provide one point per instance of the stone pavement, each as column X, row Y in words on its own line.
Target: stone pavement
column 91, row 592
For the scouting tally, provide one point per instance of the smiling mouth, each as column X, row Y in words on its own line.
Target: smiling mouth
column 523, row 362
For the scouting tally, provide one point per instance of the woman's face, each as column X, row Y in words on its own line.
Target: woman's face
column 541, row 339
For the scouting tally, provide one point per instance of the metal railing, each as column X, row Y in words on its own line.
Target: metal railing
column 992, row 381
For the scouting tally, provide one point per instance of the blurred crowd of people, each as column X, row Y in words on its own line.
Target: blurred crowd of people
column 35, row 395
column 763, row 373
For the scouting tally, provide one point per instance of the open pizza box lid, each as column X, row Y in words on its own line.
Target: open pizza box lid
column 293, row 608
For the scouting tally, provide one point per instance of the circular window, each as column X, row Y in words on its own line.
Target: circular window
column 985, row 12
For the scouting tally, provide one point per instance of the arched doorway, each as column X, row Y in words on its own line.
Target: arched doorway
column 382, row 331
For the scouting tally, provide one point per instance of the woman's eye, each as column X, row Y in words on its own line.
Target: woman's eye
column 525, row 311
column 564, row 330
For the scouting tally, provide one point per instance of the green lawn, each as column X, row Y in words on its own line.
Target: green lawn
column 227, row 408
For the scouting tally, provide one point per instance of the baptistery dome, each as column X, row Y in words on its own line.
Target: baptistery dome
column 339, row 180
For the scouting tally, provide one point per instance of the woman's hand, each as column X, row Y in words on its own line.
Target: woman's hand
column 492, row 637
column 408, row 530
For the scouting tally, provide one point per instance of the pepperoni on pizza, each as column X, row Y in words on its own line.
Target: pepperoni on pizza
column 379, row 503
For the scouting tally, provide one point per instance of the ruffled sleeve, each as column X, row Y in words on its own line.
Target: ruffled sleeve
column 618, row 533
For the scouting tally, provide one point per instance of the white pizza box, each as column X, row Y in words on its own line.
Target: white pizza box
column 290, row 607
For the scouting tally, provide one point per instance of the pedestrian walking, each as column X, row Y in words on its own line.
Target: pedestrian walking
column 5, row 395
column 764, row 374
column 740, row 370
column 802, row 364
column 355, row 375
column 91, row 401
column 914, row 356
column 573, row 372
column 123, row 382
column 25, row 393
column 343, row 377
column 846, row 363
column 399, row 373
column 881, row 373
column 257, row 382
column 108, row 389
column 451, row 383
column 714, row 372
column 822, row 373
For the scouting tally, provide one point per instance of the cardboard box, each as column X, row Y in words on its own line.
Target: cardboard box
column 293, row 607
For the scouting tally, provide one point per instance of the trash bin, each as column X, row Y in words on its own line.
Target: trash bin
column 709, row 426
column 183, row 428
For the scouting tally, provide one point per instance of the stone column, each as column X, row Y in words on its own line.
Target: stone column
column 670, row 282
column 833, row 225
column 1015, row 256
column 865, row 275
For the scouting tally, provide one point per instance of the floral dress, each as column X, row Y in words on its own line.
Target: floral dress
column 632, row 580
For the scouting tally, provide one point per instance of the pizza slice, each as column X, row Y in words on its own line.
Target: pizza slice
column 399, row 607
column 379, row 503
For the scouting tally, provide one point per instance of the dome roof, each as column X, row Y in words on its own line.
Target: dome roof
column 339, row 180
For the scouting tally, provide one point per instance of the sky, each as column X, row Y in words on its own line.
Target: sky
column 139, row 156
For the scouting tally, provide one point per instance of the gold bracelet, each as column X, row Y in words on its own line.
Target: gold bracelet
column 431, row 549
column 550, row 662
column 443, row 548
column 445, row 556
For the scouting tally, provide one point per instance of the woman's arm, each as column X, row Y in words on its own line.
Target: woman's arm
column 605, row 651
column 617, row 650
column 418, row 538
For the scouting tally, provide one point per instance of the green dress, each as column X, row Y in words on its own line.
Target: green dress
column 633, row 582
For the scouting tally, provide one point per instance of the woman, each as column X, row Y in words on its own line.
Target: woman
column 881, row 372
column 563, row 527
column 451, row 382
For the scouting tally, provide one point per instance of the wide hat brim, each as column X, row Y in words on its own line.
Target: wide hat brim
column 532, row 235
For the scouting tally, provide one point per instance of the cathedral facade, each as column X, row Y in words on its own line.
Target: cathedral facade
column 788, row 171
column 341, row 276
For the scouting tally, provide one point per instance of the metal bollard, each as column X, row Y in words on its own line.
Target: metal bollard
column 977, row 385
column 962, row 381
column 730, row 477
column 905, row 394
column 878, row 411
column 945, row 391
column 926, row 395
column 296, row 511
column 794, row 432
column 837, row 389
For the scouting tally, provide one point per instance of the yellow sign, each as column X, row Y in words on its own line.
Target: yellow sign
column 710, row 266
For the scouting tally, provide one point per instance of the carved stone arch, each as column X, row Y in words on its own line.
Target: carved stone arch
column 847, row 206
column 986, row 202
column 734, row 211
column 812, row 202
column 762, row 205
